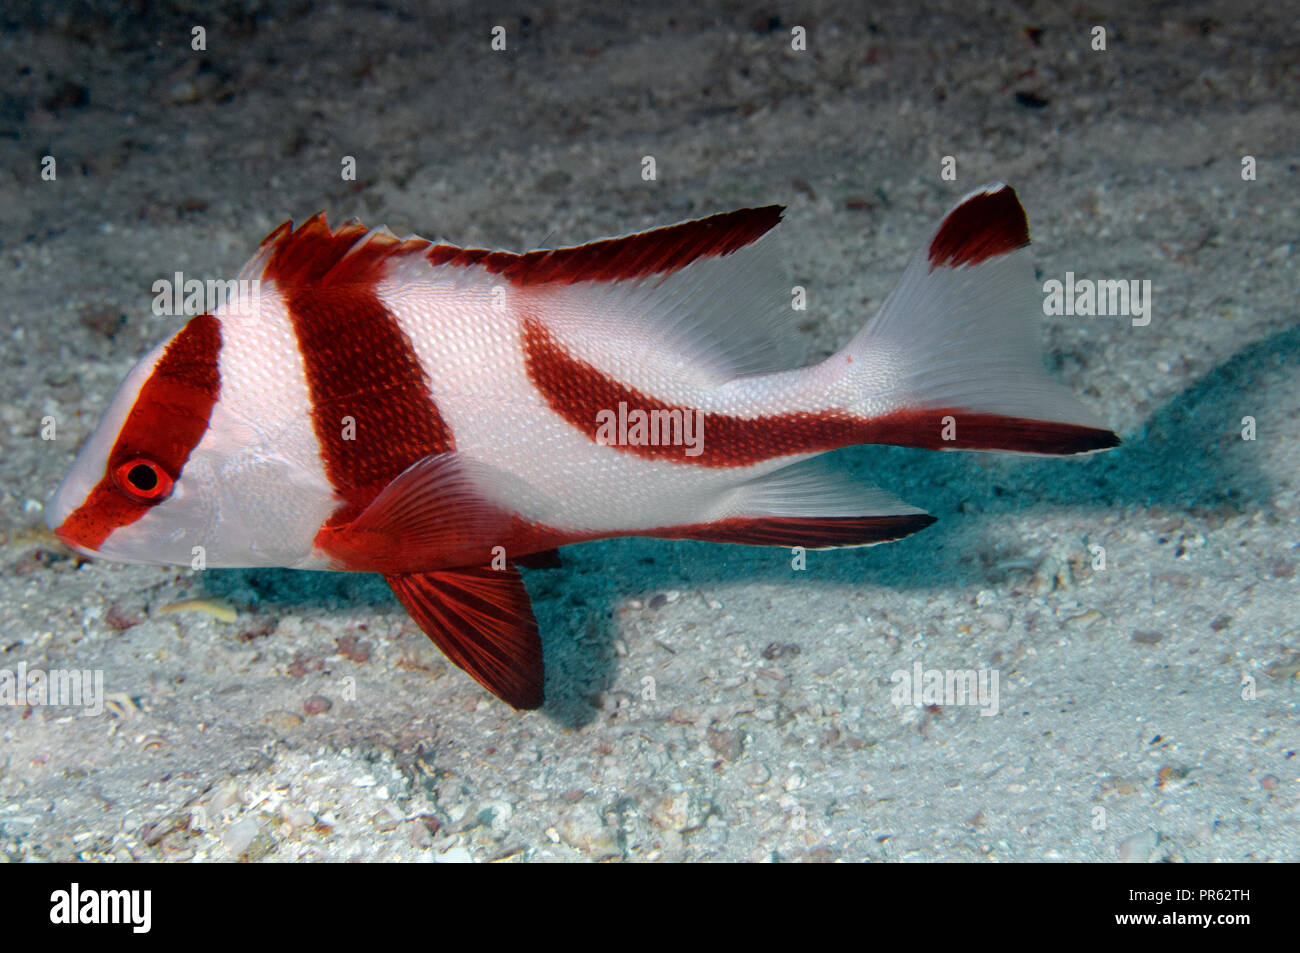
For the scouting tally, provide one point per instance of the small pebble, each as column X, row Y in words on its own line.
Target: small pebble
column 317, row 705
column 219, row 609
column 1084, row 620
column 997, row 621
column 726, row 742
column 582, row 828
column 496, row 813
column 224, row 796
column 1138, row 848
column 1168, row 775
column 418, row 834
column 121, row 619
column 239, row 836
column 353, row 650
column 283, row 720
column 296, row 816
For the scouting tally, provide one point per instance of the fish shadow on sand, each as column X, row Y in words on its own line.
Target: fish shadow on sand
column 1187, row 458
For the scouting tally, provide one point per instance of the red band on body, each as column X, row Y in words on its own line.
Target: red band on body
column 578, row 392
column 371, row 408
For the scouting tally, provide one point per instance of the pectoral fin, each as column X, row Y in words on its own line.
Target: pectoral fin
column 444, row 509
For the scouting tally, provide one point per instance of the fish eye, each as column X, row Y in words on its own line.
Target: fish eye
column 143, row 480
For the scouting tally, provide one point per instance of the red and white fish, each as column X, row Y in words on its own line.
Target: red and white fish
column 441, row 414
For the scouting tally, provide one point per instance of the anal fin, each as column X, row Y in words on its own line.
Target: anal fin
column 482, row 620
column 810, row 532
column 804, row 504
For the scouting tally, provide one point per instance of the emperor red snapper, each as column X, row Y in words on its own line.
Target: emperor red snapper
column 442, row 414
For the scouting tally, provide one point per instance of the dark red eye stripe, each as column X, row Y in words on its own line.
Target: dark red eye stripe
column 166, row 423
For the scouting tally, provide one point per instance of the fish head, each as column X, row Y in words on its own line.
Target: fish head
column 185, row 471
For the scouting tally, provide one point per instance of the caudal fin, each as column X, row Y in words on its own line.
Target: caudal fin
column 952, row 360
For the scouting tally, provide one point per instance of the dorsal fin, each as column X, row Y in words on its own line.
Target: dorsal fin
column 707, row 292
column 710, row 299
column 657, row 252
column 315, row 254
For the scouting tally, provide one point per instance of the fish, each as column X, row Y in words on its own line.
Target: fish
column 444, row 415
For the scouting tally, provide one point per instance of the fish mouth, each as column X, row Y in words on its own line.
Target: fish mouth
column 58, row 513
column 58, row 509
column 104, row 552
column 66, row 537
column 56, row 518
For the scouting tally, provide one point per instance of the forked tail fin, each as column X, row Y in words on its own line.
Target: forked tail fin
column 952, row 360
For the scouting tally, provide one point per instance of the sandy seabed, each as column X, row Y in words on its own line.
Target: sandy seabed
column 1147, row 710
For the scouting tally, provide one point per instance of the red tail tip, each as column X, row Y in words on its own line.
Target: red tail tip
column 983, row 226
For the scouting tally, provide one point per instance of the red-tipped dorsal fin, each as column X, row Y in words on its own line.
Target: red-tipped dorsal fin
column 985, row 224
column 657, row 252
column 315, row 254
column 482, row 620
